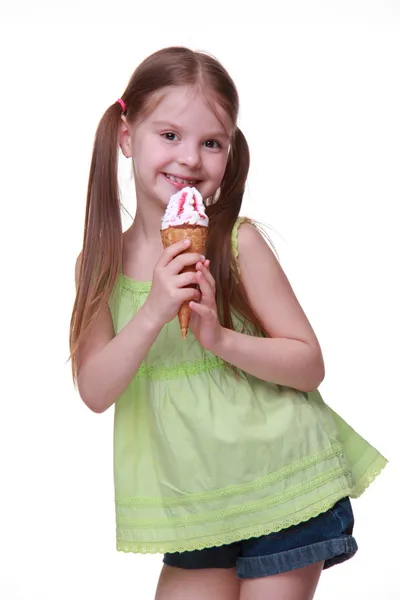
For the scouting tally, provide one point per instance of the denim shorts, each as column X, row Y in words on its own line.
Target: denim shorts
column 327, row 537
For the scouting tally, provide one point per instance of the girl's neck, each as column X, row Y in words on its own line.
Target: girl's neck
column 142, row 245
column 146, row 225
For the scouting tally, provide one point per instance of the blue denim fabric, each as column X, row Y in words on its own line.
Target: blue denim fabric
column 327, row 537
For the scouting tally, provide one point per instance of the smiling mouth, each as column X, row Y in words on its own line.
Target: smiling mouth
column 181, row 180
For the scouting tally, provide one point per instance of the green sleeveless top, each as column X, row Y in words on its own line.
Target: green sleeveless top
column 204, row 456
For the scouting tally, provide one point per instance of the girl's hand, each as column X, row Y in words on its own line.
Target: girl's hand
column 168, row 289
column 204, row 319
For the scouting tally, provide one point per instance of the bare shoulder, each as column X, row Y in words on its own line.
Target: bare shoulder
column 254, row 251
column 268, row 289
column 250, row 240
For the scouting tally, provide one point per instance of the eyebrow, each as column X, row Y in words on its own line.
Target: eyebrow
column 169, row 125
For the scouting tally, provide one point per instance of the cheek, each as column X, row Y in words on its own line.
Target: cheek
column 150, row 150
column 160, row 154
column 218, row 166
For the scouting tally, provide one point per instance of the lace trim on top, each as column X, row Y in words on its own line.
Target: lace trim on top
column 180, row 370
column 235, row 245
column 140, row 287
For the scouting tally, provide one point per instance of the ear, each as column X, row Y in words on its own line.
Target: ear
column 125, row 141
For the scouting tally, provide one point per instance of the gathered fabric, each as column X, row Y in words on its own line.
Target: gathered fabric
column 205, row 455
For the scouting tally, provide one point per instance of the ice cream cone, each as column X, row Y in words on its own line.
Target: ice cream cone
column 185, row 217
column 198, row 236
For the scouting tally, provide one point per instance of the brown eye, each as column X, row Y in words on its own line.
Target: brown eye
column 213, row 144
column 169, row 136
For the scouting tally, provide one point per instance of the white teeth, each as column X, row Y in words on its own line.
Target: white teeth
column 179, row 180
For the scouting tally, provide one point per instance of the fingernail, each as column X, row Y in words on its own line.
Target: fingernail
column 203, row 257
column 186, row 242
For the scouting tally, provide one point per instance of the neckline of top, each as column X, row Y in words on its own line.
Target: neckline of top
column 134, row 284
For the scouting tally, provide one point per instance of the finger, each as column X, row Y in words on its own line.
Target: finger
column 206, row 272
column 207, row 292
column 184, row 260
column 189, row 294
column 172, row 251
column 204, row 263
column 200, row 309
column 187, row 278
column 201, row 265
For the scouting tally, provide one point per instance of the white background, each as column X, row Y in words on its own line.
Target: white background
column 319, row 83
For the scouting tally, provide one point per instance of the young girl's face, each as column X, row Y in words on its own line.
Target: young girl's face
column 183, row 141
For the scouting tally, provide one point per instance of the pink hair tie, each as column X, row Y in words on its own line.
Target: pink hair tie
column 122, row 103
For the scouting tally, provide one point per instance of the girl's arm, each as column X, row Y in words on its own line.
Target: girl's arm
column 106, row 363
column 291, row 356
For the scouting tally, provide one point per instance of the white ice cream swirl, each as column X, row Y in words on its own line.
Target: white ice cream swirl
column 186, row 207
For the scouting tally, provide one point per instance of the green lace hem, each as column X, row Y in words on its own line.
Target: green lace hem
column 369, row 476
column 235, row 490
column 251, row 532
column 227, row 537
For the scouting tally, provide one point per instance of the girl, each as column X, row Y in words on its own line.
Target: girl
column 226, row 458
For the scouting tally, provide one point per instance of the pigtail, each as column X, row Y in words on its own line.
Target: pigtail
column 223, row 213
column 102, row 240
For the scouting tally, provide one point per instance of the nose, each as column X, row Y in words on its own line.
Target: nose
column 190, row 156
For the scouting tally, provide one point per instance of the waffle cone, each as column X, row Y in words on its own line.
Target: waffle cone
column 198, row 236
